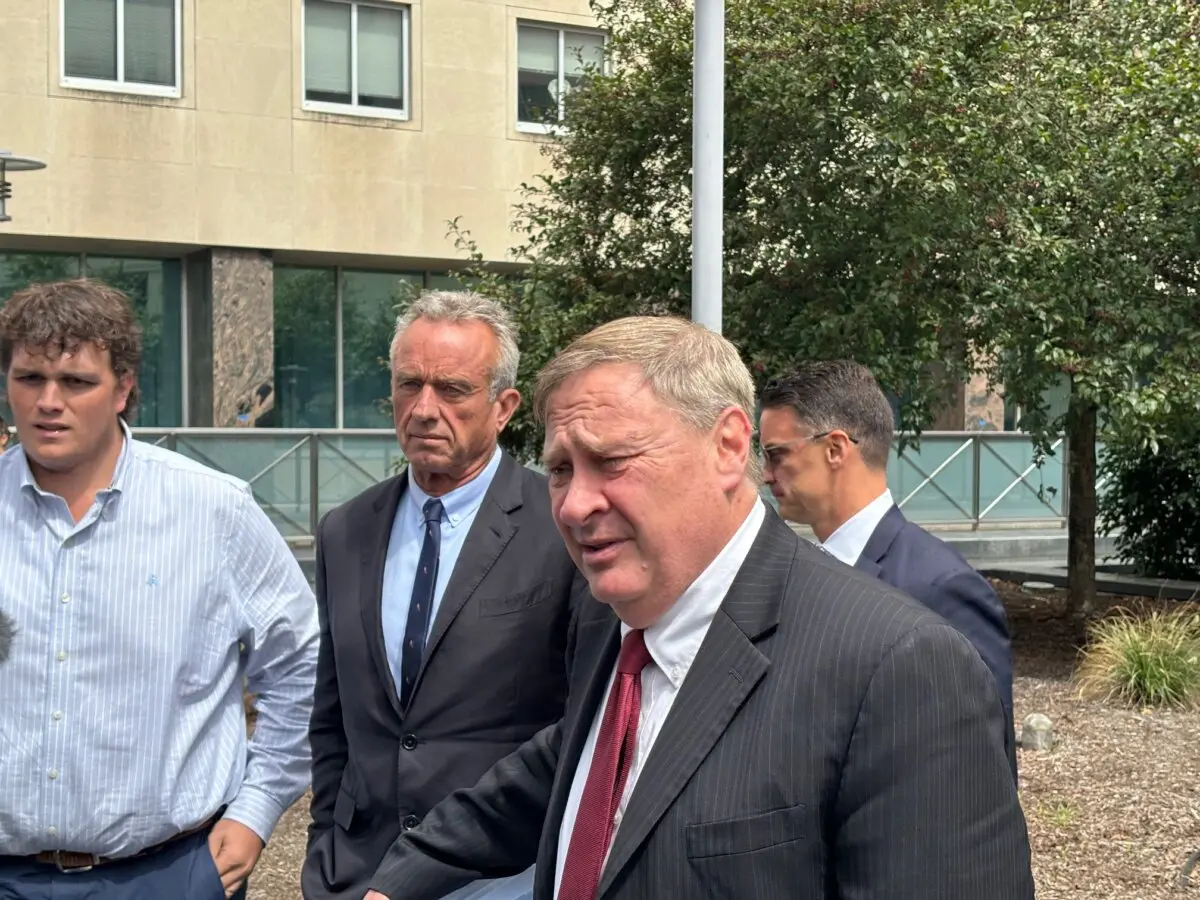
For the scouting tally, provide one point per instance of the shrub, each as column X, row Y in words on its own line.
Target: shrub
column 1151, row 499
column 1152, row 660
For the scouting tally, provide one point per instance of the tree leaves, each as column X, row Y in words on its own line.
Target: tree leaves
column 1011, row 188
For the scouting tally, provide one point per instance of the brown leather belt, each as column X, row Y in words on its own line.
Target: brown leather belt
column 72, row 861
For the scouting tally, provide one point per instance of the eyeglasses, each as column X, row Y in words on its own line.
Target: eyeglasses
column 772, row 455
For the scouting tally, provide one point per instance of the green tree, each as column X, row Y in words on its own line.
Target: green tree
column 860, row 152
column 1152, row 497
column 986, row 185
column 1096, row 260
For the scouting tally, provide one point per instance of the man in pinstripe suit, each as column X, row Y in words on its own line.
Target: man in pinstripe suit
column 747, row 718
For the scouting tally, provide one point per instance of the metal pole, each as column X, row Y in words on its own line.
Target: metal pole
column 708, row 162
column 314, row 483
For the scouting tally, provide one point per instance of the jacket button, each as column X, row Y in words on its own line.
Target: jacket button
column 410, row 822
column 409, row 742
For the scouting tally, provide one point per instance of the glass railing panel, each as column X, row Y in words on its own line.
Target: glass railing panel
column 350, row 464
column 275, row 465
column 1012, row 487
column 933, row 481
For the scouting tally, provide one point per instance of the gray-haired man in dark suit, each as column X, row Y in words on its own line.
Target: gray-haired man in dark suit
column 445, row 599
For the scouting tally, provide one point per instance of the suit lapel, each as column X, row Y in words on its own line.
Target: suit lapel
column 373, row 541
column 725, row 672
column 490, row 533
column 880, row 542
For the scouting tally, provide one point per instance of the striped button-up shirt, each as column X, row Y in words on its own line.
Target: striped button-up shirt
column 121, row 718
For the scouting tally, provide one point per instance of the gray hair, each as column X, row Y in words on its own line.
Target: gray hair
column 468, row 306
column 838, row 394
column 695, row 371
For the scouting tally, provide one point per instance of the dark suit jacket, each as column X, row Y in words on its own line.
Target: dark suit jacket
column 833, row 740
column 494, row 671
column 906, row 556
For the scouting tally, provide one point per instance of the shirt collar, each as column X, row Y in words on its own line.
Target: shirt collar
column 120, row 472
column 849, row 541
column 675, row 639
column 463, row 500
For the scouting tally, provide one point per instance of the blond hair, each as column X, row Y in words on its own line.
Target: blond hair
column 696, row 372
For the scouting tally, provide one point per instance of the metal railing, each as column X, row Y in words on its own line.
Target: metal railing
column 961, row 479
column 296, row 475
column 981, row 479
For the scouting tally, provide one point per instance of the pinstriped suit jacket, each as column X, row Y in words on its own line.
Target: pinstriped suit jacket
column 833, row 739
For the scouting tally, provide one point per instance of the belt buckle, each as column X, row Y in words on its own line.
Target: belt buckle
column 74, row 861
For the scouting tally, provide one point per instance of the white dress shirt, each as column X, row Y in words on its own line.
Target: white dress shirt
column 849, row 541
column 673, row 642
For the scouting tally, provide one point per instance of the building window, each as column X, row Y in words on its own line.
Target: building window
column 124, row 45
column 306, row 348
column 551, row 62
column 356, row 58
column 333, row 331
column 154, row 287
column 370, row 303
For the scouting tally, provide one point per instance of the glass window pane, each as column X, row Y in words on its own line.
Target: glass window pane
column 537, row 75
column 369, row 309
column 380, row 57
column 327, row 51
column 150, row 41
column 450, row 281
column 582, row 50
column 537, row 49
column 153, row 285
column 537, row 70
column 90, row 39
column 19, row 270
column 305, row 348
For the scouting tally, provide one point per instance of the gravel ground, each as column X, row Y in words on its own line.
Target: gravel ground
column 1113, row 809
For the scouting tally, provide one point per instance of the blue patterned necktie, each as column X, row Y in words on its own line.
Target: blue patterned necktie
column 421, row 605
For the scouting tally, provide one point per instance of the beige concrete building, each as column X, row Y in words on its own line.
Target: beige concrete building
column 263, row 176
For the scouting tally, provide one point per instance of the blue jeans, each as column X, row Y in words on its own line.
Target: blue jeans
column 183, row 870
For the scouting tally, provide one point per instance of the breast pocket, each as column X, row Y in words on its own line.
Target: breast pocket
column 516, row 602
column 763, row 855
column 746, row 834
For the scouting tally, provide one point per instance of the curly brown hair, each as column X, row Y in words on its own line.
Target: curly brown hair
column 57, row 317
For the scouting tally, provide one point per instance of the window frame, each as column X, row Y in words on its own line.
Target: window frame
column 353, row 108
column 546, row 127
column 120, row 85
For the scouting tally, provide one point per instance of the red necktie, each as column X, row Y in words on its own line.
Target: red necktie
column 613, row 756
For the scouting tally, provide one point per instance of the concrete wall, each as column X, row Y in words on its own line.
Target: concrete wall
column 237, row 161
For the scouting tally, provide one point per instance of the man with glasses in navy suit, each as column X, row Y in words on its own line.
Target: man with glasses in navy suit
column 826, row 432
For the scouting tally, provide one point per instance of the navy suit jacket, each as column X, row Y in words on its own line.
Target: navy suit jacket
column 908, row 557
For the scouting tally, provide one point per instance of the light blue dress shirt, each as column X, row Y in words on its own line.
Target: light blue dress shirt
column 121, row 718
column 404, row 550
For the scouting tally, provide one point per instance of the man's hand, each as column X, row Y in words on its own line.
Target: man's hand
column 235, row 849
column 375, row 895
